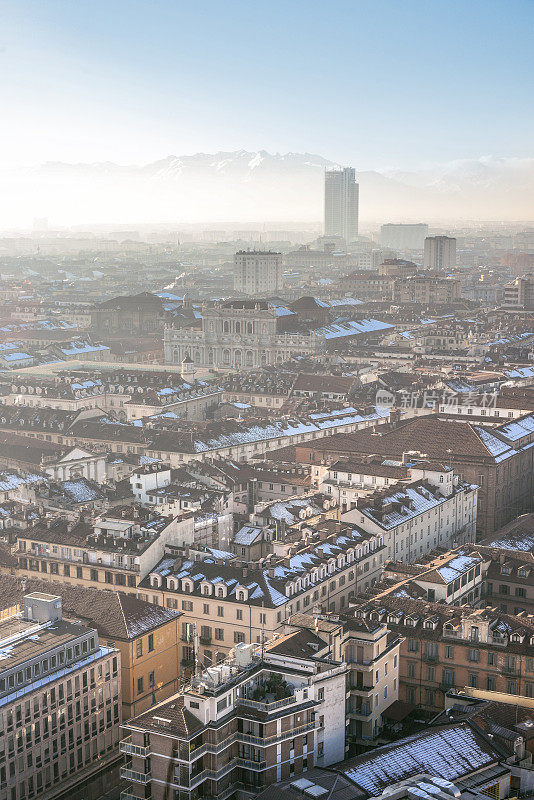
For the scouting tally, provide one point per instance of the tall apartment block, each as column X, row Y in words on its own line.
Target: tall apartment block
column 60, row 701
column 263, row 715
column 519, row 294
column 404, row 236
column 440, row 252
column 341, row 203
column 257, row 272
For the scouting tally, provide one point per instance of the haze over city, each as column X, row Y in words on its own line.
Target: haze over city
column 428, row 101
column 266, row 400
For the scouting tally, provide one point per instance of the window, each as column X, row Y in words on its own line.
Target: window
column 239, row 613
column 413, row 645
column 448, row 677
column 320, row 694
column 139, row 648
column 220, row 611
column 140, row 685
column 449, row 651
column 491, row 683
column 150, row 642
column 238, row 637
column 151, row 680
column 219, row 634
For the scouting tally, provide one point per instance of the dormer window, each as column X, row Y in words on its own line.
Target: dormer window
column 505, row 570
column 523, row 572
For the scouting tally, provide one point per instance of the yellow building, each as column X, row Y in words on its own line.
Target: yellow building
column 146, row 635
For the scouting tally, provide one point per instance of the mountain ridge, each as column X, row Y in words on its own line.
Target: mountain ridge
column 252, row 184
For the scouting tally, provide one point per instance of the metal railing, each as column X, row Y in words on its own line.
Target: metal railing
column 128, row 794
column 126, row 746
column 267, row 707
column 247, row 738
column 363, row 711
column 132, row 775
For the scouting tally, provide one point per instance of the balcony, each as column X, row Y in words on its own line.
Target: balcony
column 363, row 712
column 257, row 766
column 267, row 707
column 128, row 794
column 130, row 774
column 205, row 639
column 126, row 746
column 431, row 658
column 359, row 687
column 259, row 741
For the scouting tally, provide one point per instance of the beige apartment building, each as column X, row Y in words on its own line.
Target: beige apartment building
column 227, row 601
column 118, row 550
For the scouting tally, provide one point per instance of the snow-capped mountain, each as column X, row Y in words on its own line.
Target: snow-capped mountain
column 244, row 185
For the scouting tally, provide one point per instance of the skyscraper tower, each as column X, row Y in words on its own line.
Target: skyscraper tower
column 341, row 199
column 440, row 252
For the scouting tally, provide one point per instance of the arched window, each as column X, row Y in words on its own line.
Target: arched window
column 226, row 327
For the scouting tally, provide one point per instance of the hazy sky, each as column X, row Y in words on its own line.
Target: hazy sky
column 374, row 83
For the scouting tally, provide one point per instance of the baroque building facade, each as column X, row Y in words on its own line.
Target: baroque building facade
column 239, row 334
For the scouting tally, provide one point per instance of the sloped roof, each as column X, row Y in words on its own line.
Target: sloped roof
column 115, row 615
column 450, row 752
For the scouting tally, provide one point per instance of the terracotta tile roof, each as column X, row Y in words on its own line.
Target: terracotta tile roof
column 115, row 615
column 170, row 717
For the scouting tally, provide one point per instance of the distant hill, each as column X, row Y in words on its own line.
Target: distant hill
column 254, row 186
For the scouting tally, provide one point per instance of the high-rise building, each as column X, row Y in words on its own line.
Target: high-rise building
column 404, row 236
column 60, row 704
column 257, row 272
column 519, row 294
column 440, row 252
column 341, row 201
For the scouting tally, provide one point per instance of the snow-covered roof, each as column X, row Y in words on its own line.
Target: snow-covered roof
column 352, row 328
column 451, row 753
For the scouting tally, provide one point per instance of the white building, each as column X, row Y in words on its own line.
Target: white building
column 341, row 203
column 435, row 510
column 440, row 252
column 257, row 272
